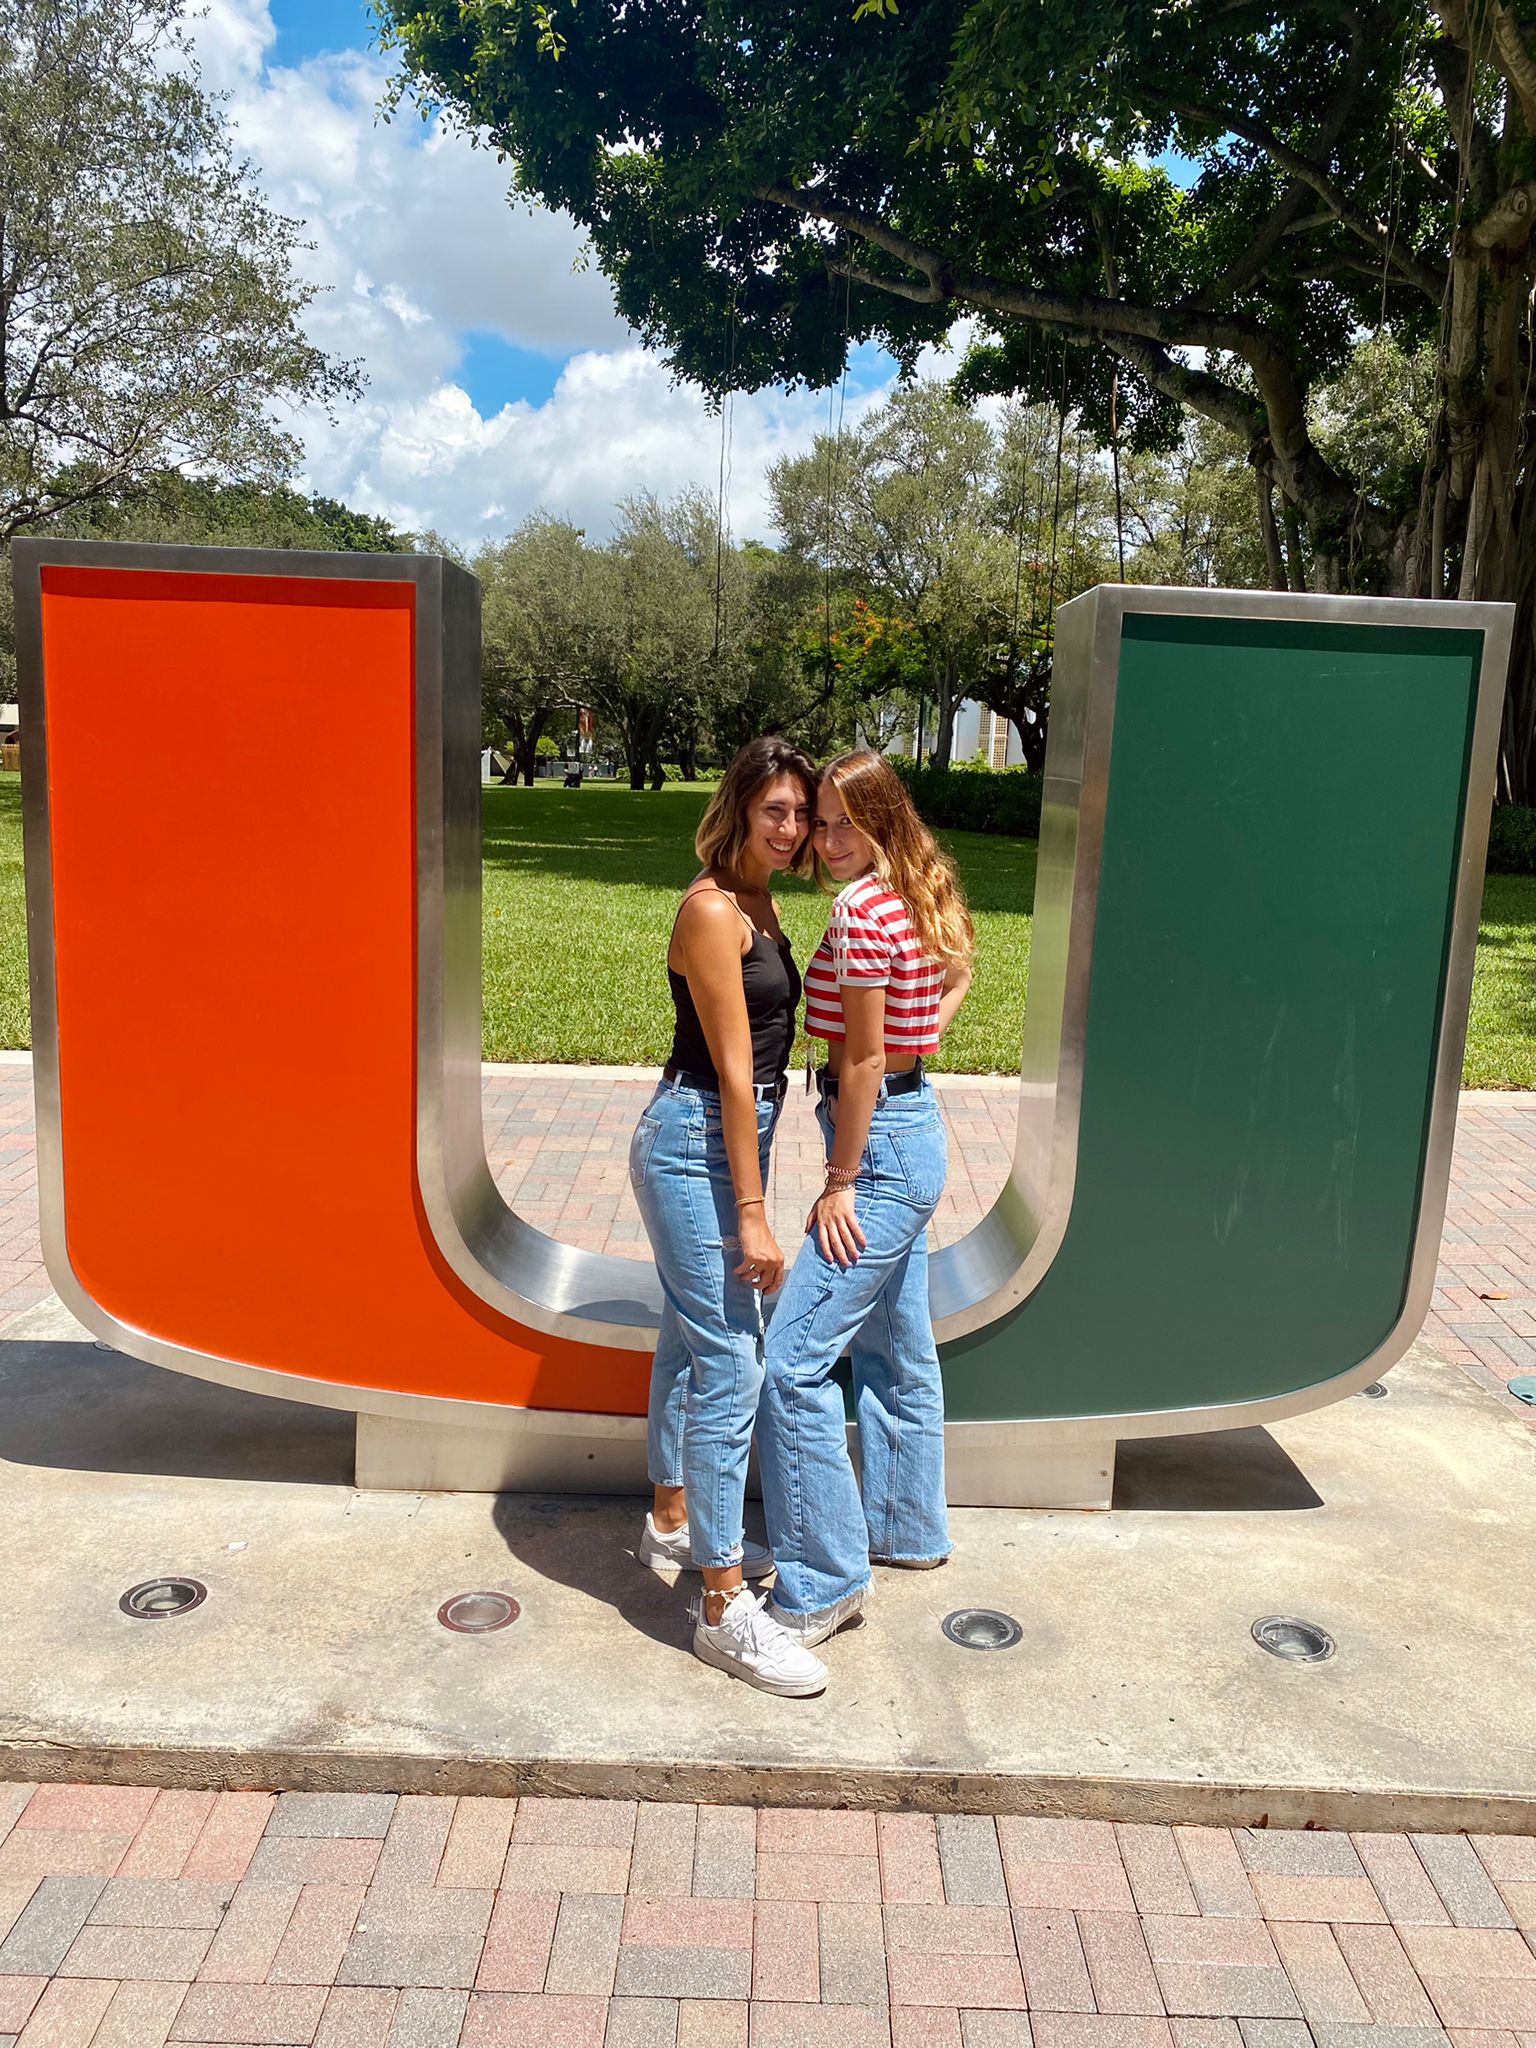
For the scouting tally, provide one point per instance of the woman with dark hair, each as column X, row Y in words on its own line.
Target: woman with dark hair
column 698, row 1162
column 882, row 988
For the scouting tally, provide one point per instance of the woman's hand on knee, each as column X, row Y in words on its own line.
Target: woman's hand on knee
column 836, row 1224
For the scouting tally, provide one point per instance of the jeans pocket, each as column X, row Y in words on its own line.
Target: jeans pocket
column 921, row 1160
column 641, row 1145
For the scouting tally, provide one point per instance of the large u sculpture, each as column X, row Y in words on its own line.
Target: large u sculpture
column 252, row 804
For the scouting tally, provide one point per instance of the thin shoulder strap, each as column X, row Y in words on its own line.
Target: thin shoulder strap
column 693, row 890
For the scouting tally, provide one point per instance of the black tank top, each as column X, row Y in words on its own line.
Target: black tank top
column 770, row 981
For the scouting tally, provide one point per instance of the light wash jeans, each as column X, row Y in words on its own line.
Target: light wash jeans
column 821, row 1533
column 708, row 1370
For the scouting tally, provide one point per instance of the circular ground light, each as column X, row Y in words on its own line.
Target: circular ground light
column 1299, row 1642
column 156, row 1599
column 477, row 1614
column 982, row 1628
column 1374, row 1392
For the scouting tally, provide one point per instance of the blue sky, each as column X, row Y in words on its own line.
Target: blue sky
column 308, row 28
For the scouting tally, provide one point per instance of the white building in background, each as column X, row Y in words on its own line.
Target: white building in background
column 977, row 731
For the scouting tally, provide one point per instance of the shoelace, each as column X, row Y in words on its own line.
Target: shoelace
column 758, row 1628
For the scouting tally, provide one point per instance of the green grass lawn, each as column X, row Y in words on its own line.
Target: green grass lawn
column 581, row 887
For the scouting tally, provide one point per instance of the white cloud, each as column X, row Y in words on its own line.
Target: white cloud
column 420, row 250
column 614, row 425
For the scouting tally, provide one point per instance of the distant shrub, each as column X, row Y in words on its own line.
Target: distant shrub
column 1512, row 840
column 968, row 799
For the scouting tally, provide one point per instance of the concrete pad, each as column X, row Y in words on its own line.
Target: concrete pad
column 1404, row 1526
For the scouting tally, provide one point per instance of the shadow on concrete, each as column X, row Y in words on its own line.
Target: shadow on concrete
column 63, row 1403
column 1221, row 1471
column 569, row 1538
column 67, row 1404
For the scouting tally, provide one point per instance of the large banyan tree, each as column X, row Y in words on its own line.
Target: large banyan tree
column 1158, row 207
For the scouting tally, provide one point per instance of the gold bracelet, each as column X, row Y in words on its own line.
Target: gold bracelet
column 751, row 1201
column 842, row 1176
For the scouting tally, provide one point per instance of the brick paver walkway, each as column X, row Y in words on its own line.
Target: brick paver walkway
column 129, row 1919
column 558, row 1139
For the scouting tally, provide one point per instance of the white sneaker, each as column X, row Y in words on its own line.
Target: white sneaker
column 668, row 1550
column 807, row 1629
column 746, row 1643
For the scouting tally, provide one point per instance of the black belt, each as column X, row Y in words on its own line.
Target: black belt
column 765, row 1091
column 895, row 1084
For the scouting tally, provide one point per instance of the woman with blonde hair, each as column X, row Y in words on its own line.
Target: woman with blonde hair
column 883, row 987
column 698, row 1163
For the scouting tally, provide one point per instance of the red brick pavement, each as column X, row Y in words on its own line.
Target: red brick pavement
column 133, row 1919
column 558, row 1139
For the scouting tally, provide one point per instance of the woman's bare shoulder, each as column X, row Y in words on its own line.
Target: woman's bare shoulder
column 708, row 913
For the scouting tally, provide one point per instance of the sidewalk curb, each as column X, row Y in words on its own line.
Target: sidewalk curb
column 898, row 1789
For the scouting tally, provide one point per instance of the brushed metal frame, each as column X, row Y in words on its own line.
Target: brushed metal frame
column 543, row 1284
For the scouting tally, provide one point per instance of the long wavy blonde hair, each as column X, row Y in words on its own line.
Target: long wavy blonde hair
column 906, row 858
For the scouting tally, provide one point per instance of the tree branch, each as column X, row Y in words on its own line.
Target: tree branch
column 1371, row 232
column 920, row 294
column 1282, row 217
column 1278, row 424
column 1180, row 327
column 1515, row 59
column 1143, row 336
column 1509, row 223
column 1195, row 390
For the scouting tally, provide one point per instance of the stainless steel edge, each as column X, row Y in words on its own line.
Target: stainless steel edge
column 1000, row 1262
column 585, row 1297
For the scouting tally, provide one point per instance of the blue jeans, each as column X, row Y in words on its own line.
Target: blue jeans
column 821, row 1533
column 708, row 1370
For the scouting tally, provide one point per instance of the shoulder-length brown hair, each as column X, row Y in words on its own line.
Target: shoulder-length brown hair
column 907, row 860
column 725, row 826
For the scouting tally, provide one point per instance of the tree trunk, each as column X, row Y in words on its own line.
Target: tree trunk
column 524, row 731
column 1488, row 415
column 639, row 726
column 1032, row 739
column 1517, row 737
column 1295, row 564
column 1265, row 492
column 944, row 713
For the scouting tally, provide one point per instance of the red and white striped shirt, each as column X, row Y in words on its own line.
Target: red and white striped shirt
column 870, row 941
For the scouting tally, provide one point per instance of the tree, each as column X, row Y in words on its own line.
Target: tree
column 899, row 506
column 768, row 181
column 149, row 312
column 662, row 642
column 1192, row 517
column 780, row 681
column 881, row 670
column 1054, row 503
column 542, row 620
column 192, row 511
